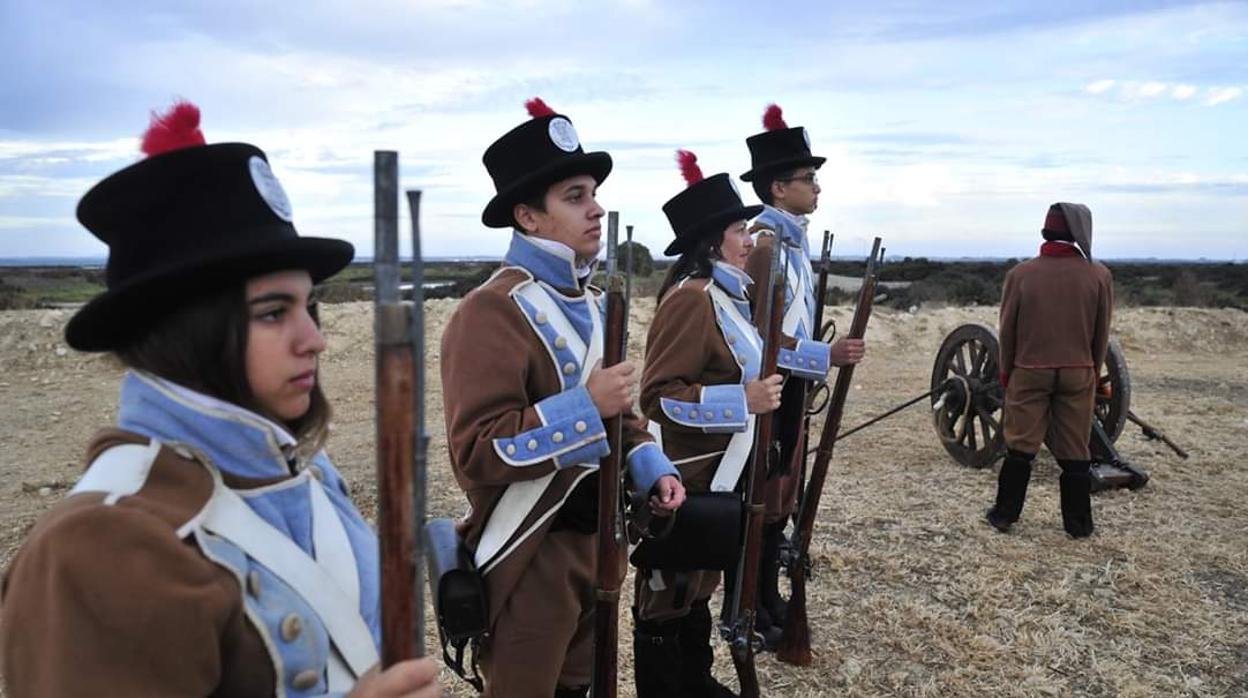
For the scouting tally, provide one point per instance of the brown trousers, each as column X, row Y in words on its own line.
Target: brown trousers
column 1052, row 406
column 544, row 636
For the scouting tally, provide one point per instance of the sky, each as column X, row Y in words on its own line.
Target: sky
column 949, row 127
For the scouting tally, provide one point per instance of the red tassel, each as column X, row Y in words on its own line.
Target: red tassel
column 689, row 167
column 538, row 108
column 176, row 128
column 773, row 118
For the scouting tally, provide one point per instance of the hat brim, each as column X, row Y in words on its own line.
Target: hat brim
column 497, row 213
column 716, row 222
column 783, row 165
column 113, row 318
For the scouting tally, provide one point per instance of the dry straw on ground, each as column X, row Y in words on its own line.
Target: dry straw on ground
column 913, row 595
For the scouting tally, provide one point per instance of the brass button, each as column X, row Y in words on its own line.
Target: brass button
column 709, row 414
column 561, row 342
column 693, row 414
column 305, row 679
column 540, row 318
column 292, row 625
column 677, row 409
column 511, row 449
column 532, row 444
column 569, row 368
column 581, row 427
column 557, row 437
column 253, row 583
column 727, row 414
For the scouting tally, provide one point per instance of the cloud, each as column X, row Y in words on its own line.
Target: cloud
column 1098, row 87
column 1222, row 95
column 1183, row 92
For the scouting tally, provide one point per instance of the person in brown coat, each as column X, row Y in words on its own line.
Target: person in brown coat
column 1054, row 332
column 783, row 174
column 210, row 548
column 525, row 399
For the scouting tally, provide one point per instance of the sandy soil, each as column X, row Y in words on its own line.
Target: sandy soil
column 913, row 594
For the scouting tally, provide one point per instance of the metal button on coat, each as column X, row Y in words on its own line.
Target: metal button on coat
column 561, row 342
column 569, row 368
column 253, row 583
column 727, row 414
column 292, row 625
column 581, row 427
column 532, row 444
column 305, row 679
column 540, row 318
column 511, row 449
column 557, row 437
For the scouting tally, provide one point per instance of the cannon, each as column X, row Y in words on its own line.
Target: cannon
column 967, row 401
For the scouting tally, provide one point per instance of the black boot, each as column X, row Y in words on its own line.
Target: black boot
column 1076, row 488
column 769, row 575
column 1011, row 490
column 581, row 692
column 697, row 656
column 657, row 660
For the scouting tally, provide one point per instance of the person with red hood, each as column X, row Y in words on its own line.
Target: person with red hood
column 1054, row 332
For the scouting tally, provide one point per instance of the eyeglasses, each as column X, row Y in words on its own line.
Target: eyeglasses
column 810, row 178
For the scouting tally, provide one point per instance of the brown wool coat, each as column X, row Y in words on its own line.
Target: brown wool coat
column 685, row 351
column 1055, row 313
column 494, row 369
column 157, row 618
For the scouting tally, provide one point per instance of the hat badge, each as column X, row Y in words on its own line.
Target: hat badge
column 269, row 188
column 563, row 135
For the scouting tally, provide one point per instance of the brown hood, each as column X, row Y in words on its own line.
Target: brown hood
column 1079, row 220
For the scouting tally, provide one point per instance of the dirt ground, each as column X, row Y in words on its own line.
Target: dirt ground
column 913, row 594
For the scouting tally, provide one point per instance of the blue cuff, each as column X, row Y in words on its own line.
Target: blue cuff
column 571, row 433
column 721, row 410
column 646, row 464
column 809, row 361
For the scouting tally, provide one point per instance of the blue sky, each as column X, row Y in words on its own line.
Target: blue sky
column 948, row 127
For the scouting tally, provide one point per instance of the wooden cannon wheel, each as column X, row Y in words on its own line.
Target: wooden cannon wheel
column 968, row 410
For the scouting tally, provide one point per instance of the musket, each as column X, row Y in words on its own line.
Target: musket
column 821, row 294
column 743, row 640
column 398, row 331
column 795, row 644
column 610, row 526
column 1153, row 433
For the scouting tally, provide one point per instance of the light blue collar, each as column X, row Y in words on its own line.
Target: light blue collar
column 551, row 262
column 791, row 228
column 239, row 442
column 733, row 280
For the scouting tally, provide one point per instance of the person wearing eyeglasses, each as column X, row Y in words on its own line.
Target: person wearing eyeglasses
column 784, row 175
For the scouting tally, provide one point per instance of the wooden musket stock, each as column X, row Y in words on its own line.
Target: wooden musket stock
column 795, row 645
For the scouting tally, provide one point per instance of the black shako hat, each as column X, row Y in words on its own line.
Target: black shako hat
column 704, row 208
column 779, row 148
column 531, row 157
column 189, row 219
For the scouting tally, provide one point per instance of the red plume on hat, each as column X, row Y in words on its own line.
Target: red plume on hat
column 773, row 118
column 538, row 108
column 176, row 128
column 689, row 167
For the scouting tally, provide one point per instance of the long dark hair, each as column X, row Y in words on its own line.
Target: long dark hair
column 203, row 346
column 695, row 263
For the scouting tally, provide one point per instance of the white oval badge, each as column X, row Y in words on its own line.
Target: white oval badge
column 269, row 188
column 563, row 135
